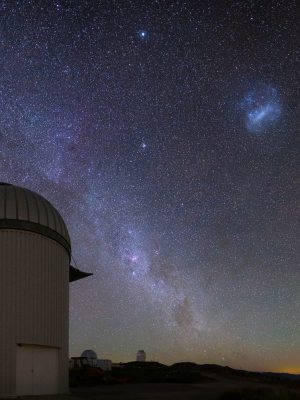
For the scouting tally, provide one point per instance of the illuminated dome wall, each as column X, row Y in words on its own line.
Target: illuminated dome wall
column 35, row 254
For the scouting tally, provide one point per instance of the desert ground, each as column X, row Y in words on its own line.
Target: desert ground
column 163, row 391
column 181, row 381
column 175, row 391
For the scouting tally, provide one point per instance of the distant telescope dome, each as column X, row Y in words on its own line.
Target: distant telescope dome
column 25, row 210
column 90, row 354
column 141, row 356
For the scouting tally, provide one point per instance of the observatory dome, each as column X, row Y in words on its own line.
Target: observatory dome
column 89, row 354
column 23, row 209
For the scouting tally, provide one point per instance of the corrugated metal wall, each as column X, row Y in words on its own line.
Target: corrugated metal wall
column 34, row 301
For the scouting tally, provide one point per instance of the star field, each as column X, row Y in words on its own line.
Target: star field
column 167, row 135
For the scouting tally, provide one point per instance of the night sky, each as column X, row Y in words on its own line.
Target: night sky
column 167, row 135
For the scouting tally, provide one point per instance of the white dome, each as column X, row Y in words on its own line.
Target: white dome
column 89, row 354
column 141, row 355
column 23, row 209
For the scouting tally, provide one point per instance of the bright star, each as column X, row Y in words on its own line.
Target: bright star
column 143, row 34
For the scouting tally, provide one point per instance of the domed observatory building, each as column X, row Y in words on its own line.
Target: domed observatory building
column 141, row 356
column 35, row 271
column 91, row 357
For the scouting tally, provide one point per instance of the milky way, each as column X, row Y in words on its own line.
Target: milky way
column 167, row 135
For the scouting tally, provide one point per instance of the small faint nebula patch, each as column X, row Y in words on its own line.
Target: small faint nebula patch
column 261, row 109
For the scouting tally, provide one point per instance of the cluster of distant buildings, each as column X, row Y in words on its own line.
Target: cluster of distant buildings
column 90, row 358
